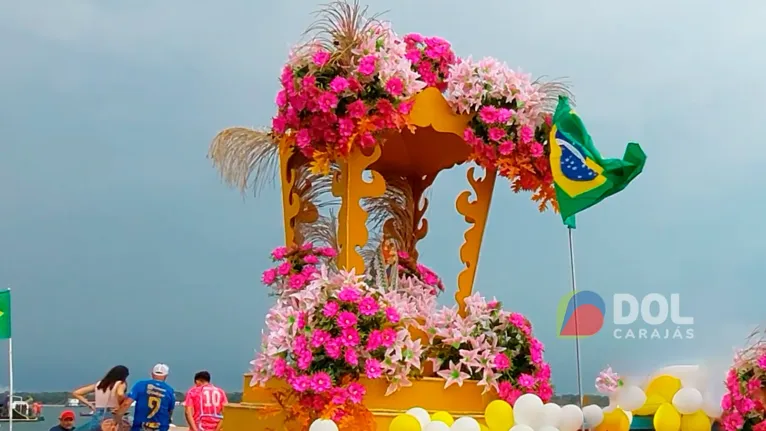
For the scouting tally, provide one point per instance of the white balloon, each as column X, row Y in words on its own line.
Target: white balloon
column 712, row 408
column 547, row 428
column 571, row 418
column 323, row 425
column 687, row 401
column 466, row 423
column 527, row 410
column 549, row 415
column 592, row 416
column 436, row 426
column 421, row 415
column 631, row 398
column 521, row 427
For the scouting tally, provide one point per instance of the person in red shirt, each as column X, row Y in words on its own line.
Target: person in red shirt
column 204, row 404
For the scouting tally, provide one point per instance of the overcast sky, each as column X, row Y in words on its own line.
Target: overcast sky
column 122, row 245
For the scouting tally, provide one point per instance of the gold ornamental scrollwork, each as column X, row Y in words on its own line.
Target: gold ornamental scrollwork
column 475, row 213
column 349, row 184
column 291, row 202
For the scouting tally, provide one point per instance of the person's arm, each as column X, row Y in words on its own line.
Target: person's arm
column 189, row 410
column 129, row 398
column 189, row 414
column 80, row 393
column 172, row 405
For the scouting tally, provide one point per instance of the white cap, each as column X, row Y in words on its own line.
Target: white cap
column 161, row 370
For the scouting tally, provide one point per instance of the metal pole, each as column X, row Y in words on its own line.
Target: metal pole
column 577, row 324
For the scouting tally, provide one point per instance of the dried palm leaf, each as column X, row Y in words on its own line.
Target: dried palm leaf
column 552, row 90
column 245, row 157
column 340, row 26
column 322, row 232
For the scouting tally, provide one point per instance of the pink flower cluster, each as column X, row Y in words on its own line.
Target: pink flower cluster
column 409, row 267
column 490, row 345
column 431, row 57
column 744, row 404
column 509, row 128
column 296, row 267
column 331, row 101
column 608, row 381
column 325, row 336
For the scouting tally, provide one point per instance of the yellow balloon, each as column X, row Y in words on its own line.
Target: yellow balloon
column 667, row 418
column 663, row 386
column 615, row 420
column 653, row 402
column 499, row 416
column 404, row 423
column 483, row 427
column 697, row 421
column 443, row 417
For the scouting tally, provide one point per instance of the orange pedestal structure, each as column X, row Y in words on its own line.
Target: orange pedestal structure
column 434, row 143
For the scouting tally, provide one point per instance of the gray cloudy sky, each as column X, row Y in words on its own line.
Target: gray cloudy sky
column 123, row 246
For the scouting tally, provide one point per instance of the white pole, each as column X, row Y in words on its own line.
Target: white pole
column 10, row 384
column 10, row 376
column 576, row 322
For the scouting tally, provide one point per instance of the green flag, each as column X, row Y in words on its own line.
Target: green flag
column 5, row 314
column 581, row 176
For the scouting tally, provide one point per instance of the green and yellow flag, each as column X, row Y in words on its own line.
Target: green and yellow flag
column 581, row 176
column 5, row 315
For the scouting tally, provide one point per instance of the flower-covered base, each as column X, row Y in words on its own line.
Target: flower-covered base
column 259, row 410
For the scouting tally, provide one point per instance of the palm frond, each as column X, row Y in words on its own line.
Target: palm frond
column 397, row 205
column 245, row 157
column 552, row 90
column 339, row 26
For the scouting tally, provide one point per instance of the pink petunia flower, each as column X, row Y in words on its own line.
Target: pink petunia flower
column 330, row 309
column 346, row 319
column 349, row 294
column 269, row 276
column 355, row 392
column 321, row 382
column 372, row 369
column 368, row 306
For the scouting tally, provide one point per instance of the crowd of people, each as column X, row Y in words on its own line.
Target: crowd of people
column 154, row 399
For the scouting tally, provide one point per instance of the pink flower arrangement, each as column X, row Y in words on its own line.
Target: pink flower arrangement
column 431, row 58
column 333, row 101
column 490, row 345
column 510, row 125
column 744, row 404
column 296, row 266
column 608, row 382
column 410, row 268
column 336, row 330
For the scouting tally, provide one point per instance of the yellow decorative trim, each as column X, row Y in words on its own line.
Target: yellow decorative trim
column 291, row 204
column 475, row 212
column 350, row 186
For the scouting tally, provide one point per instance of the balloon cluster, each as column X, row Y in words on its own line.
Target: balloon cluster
column 674, row 398
column 528, row 414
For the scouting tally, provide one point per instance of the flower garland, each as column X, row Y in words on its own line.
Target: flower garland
column 333, row 101
column 490, row 345
column 431, row 58
column 296, row 266
column 744, row 404
column 323, row 338
column 510, row 126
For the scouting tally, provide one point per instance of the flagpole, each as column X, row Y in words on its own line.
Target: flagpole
column 10, row 379
column 576, row 322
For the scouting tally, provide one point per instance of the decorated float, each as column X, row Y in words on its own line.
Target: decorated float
column 366, row 121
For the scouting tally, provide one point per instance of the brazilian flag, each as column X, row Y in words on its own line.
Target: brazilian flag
column 581, row 176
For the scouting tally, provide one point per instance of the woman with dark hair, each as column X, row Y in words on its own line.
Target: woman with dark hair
column 109, row 393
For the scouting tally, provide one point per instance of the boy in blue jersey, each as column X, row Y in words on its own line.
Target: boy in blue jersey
column 155, row 401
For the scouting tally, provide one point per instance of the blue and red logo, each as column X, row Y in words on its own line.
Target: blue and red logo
column 581, row 314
